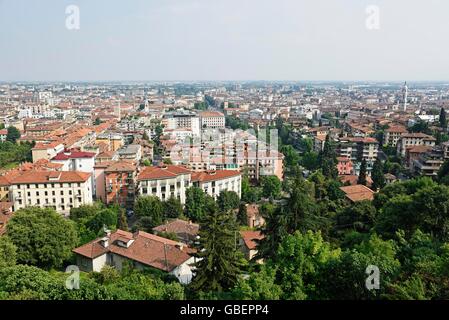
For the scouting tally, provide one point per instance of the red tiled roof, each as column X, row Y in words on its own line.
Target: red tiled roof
column 45, row 176
column 214, row 175
column 73, row 155
column 120, row 166
column 249, row 238
column 358, row 192
column 148, row 249
column 182, row 228
column 162, row 172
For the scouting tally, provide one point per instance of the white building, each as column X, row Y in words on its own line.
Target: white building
column 164, row 181
column 143, row 250
column 60, row 190
column 75, row 160
column 212, row 119
column 213, row 182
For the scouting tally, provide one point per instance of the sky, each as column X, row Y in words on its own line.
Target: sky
column 195, row 40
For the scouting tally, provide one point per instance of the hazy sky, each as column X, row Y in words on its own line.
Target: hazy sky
column 224, row 40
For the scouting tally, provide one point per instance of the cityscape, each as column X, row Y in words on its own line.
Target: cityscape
column 223, row 189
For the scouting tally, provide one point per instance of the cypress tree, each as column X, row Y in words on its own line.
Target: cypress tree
column 328, row 159
column 378, row 175
column 362, row 174
column 443, row 120
column 219, row 265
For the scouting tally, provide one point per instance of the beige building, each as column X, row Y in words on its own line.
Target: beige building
column 60, row 190
column 414, row 139
column 393, row 134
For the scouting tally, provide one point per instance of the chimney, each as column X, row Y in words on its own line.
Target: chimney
column 104, row 242
column 180, row 245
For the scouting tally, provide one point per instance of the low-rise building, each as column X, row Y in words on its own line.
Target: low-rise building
column 141, row 249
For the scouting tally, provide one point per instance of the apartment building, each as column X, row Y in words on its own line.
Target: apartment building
column 119, row 184
column 358, row 148
column 182, row 119
column 76, row 160
column 164, row 181
column 213, row 182
column 414, row 139
column 212, row 119
column 60, row 190
column 46, row 151
column 344, row 166
column 429, row 163
column 393, row 134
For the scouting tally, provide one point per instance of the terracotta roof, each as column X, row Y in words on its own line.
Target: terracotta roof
column 121, row 166
column 65, row 155
column 249, row 238
column 47, row 176
column 352, row 179
column 206, row 176
column 358, row 192
column 418, row 135
column 148, row 249
column 400, row 129
column 162, row 172
column 183, row 229
column 211, row 114
column 418, row 149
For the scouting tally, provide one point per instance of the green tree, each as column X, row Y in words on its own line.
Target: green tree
column 228, row 200
column 8, row 252
column 151, row 208
column 360, row 216
column 362, row 173
column 242, row 215
column 172, row 208
column 299, row 260
column 443, row 120
column 271, row 186
column 258, row 286
column 250, row 193
column 377, row 175
column 195, row 203
column 219, row 267
column 327, row 159
column 105, row 217
column 13, row 134
column 345, row 278
column 122, row 222
column 42, row 237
